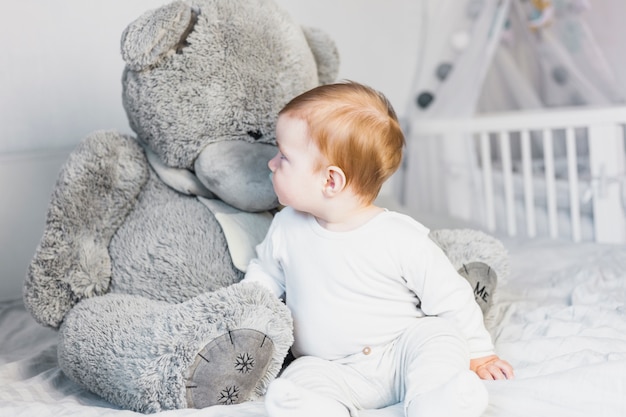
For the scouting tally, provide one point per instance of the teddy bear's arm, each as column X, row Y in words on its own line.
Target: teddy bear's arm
column 95, row 190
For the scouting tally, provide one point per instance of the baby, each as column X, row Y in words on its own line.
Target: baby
column 380, row 314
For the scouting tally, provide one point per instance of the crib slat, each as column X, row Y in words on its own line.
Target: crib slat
column 548, row 160
column 607, row 156
column 529, row 196
column 505, row 147
column 487, row 174
column 572, row 177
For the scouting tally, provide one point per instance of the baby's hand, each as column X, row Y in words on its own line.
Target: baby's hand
column 491, row 367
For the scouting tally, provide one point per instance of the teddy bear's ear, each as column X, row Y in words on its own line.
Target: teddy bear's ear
column 325, row 52
column 156, row 33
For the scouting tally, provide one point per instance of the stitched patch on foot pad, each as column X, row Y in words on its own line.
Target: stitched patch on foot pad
column 228, row 369
column 483, row 280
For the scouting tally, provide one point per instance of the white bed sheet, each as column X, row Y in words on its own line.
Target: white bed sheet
column 560, row 319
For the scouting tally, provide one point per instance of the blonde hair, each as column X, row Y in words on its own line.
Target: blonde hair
column 356, row 129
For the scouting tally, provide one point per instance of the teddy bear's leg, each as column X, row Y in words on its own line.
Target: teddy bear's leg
column 221, row 347
column 95, row 190
column 480, row 258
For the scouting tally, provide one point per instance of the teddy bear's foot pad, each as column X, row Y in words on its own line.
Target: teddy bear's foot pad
column 228, row 369
column 483, row 280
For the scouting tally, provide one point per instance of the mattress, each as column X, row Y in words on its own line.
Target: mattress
column 560, row 319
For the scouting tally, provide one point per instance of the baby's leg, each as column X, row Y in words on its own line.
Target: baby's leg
column 310, row 387
column 434, row 360
column 285, row 399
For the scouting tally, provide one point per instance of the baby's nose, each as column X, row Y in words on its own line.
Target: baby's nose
column 272, row 163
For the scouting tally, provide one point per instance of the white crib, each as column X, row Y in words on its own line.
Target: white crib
column 559, row 173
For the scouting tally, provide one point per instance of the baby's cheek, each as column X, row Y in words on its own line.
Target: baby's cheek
column 277, row 188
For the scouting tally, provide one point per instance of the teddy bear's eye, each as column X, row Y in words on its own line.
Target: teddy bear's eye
column 255, row 134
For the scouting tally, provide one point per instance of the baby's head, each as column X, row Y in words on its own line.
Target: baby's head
column 356, row 129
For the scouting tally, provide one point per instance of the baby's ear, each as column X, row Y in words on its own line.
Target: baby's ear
column 156, row 34
column 335, row 180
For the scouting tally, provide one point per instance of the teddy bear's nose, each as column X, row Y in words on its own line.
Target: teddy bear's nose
column 255, row 134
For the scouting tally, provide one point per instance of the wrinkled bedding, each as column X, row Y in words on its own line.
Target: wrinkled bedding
column 560, row 319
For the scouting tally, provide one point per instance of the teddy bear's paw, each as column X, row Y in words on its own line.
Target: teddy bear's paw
column 483, row 280
column 97, row 188
column 228, row 369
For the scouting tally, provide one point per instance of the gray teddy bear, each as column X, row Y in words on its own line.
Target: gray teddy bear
column 135, row 266
column 147, row 237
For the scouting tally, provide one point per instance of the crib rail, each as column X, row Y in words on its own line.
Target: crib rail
column 484, row 169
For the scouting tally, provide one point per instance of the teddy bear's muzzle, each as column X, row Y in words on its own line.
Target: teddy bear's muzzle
column 251, row 189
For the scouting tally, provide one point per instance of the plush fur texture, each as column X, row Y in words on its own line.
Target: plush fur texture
column 257, row 62
column 464, row 246
column 170, row 260
column 138, row 274
column 72, row 260
column 156, row 357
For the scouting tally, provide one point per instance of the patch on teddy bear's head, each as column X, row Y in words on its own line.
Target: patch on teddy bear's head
column 157, row 33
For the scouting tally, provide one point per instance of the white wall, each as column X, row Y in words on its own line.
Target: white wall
column 60, row 69
column 377, row 40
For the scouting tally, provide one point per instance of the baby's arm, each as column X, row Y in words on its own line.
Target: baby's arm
column 491, row 367
column 257, row 273
column 264, row 269
column 447, row 295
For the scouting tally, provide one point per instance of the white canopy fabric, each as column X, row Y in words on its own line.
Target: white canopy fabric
column 478, row 56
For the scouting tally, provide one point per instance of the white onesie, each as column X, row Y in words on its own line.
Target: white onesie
column 351, row 291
